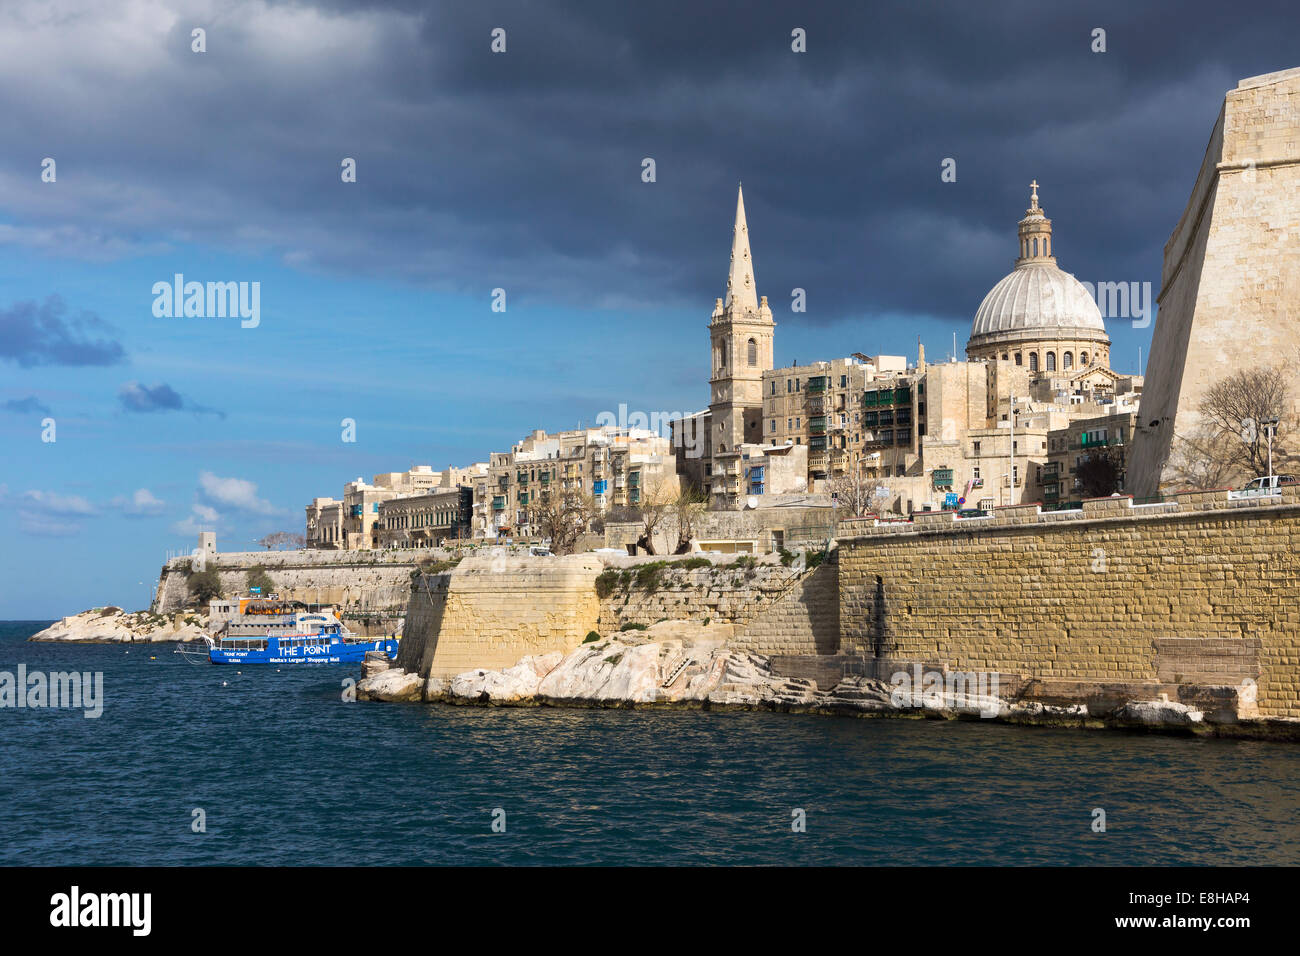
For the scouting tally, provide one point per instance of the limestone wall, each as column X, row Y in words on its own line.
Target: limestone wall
column 804, row 620
column 722, row 594
column 361, row 580
column 1201, row 590
column 1230, row 286
column 492, row 610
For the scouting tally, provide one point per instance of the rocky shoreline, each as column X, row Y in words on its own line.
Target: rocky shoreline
column 675, row 665
column 112, row 625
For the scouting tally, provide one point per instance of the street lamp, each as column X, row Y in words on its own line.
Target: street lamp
column 1270, row 428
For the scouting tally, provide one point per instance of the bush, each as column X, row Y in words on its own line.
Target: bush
column 606, row 582
column 591, row 638
column 746, row 561
column 631, row 626
column 109, row 611
column 205, row 585
column 787, row 557
column 435, row 566
column 258, row 578
column 648, row 575
column 613, row 658
column 690, row 564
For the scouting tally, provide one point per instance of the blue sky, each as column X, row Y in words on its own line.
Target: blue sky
column 519, row 171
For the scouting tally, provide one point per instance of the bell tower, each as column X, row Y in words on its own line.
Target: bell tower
column 740, row 333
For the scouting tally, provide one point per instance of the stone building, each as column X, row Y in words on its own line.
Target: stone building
column 612, row 467
column 426, row 520
column 1230, row 285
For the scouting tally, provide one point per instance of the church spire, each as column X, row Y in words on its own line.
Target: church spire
column 1035, row 233
column 741, row 291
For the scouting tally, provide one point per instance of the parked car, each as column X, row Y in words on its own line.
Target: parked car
column 1266, row 485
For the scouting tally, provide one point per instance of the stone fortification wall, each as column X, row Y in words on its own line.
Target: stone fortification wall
column 1199, row 591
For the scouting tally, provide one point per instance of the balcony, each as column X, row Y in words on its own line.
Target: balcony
column 817, row 384
column 522, row 477
column 499, row 503
column 817, row 426
column 941, row 477
column 817, row 444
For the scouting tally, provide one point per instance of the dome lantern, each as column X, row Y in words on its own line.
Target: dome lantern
column 1035, row 233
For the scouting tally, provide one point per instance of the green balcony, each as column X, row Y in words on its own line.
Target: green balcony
column 942, row 477
column 817, row 426
column 499, row 503
column 817, row 384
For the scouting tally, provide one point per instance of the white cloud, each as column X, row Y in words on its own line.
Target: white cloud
column 237, row 493
column 52, row 503
column 142, row 502
column 201, row 518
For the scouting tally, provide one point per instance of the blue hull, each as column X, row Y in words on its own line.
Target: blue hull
column 321, row 650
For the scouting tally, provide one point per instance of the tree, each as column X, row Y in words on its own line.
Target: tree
column 283, row 540
column 689, row 507
column 657, row 502
column 204, row 586
column 853, row 492
column 1235, row 407
column 258, row 578
column 562, row 516
column 1100, row 473
column 1201, row 461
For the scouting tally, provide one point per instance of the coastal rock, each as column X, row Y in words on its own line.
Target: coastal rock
column 376, row 662
column 111, row 625
column 1159, row 713
column 435, row 688
column 606, row 671
column 391, row 685
column 515, row 683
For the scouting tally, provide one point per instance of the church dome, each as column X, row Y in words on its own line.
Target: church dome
column 1037, row 297
column 1037, row 301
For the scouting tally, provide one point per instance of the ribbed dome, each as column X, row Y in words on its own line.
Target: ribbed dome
column 1037, row 295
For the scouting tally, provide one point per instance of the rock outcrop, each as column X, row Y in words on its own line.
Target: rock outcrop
column 681, row 663
column 111, row 625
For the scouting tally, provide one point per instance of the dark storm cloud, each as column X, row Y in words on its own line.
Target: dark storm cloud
column 45, row 333
column 135, row 397
column 522, row 170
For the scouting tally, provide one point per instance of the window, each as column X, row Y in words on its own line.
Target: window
column 753, row 353
column 1067, row 361
column 844, row 381
column 1083, row 359
column 977, row 448
column 1051, row 361
column 773, row 427
column 975, row 473
column 1033, row 361
column 1018, row 362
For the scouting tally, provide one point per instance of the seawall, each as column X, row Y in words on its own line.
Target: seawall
column 1196, row 597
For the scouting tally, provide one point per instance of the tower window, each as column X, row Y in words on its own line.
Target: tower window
column 1018, row 362
column 1051, row 361
column 753, row 353
column 1083, row 359
column 1067, row 361
column 1033, row 361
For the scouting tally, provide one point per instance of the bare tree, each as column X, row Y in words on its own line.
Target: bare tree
column 657, row 501
column 562, row 516
column 690, row 505
column 853, row 493
column 1240, row 404
column 1229, row 442
column 283, row 540
column 1201, row 461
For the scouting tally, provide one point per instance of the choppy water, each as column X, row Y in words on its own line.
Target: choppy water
column 289, row 773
